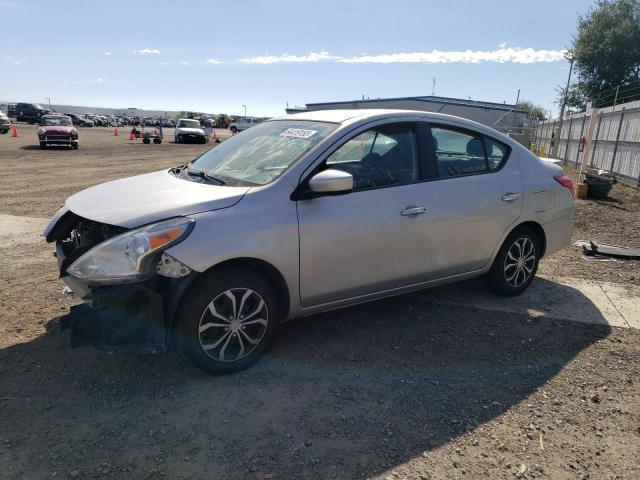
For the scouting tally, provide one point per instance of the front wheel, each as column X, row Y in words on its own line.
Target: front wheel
column 228, row 321
column 75, row 145
column 43, row 145
column 233, row 130
column 516, row 263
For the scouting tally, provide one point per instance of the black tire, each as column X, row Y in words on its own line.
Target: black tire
column 157, row 141
column 146, row 141
column 233, row 129
column 43, row 145
column 75, row 145
column 196, row 312
column 500, row 279
column 178, row 139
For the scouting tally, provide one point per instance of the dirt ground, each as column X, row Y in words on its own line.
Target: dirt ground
column 399, row 388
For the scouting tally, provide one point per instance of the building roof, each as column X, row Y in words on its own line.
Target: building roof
column 428, row 99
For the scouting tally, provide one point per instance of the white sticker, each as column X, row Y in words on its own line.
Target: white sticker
column 298, row 133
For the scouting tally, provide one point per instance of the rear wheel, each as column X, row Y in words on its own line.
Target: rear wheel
column 233, row 129
column 146, row 141
column 516, row 263
column 228, row 321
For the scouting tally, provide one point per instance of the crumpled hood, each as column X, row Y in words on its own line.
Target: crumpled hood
column 134, row 201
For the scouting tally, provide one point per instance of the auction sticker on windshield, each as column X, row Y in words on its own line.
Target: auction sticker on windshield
column 298, row 133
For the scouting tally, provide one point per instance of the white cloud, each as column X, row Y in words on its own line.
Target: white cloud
column 107, row 54
column 503, row 54
column 215, row 61
column 97, row 81
column 184, row 63
column 148, row 51
column 287, row 58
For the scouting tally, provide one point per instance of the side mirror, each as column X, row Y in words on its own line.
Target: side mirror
column 331, row 181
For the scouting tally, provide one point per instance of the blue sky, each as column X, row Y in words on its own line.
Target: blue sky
column 215, row 57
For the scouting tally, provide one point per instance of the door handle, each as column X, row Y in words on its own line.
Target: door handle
column 510, row 197
column 413, row 211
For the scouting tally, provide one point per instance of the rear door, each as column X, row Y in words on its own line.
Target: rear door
column 474, row 197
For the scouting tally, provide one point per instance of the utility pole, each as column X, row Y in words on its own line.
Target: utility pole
column 564, row 104
column 615, row 100
column 245, row 111
column 517, row 98
column 433, row 88
column 49, row 100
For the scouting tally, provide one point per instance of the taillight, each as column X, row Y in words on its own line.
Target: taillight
column 565, row 182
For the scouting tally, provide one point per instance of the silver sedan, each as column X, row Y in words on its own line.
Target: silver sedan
column 302, row 214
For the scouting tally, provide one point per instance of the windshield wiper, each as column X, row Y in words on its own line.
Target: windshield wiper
column 177, row 169
column 206, row 176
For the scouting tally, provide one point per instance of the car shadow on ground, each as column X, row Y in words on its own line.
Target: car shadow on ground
column 346, row 394
column 49, row 147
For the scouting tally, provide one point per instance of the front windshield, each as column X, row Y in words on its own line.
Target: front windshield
column 56, row 121
column 189, row 124
column 264, row 152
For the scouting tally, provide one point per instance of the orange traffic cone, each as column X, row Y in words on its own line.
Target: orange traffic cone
column 131, row 137
column 115, row 131
column 14, row 132
column 215, row 136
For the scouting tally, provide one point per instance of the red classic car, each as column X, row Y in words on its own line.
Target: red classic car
column 57, row 129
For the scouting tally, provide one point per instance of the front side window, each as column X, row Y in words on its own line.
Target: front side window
column 263, row 153
column 458, row 153
column 380, row 157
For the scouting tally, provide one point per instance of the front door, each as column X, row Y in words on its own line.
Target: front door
column 364, row 241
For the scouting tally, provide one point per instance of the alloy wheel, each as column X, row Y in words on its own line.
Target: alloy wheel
column 519, row 262
column 233, row 324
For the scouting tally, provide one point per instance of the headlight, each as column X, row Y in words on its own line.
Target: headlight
column 41, row 131
column 128, row 257
column 74, row 132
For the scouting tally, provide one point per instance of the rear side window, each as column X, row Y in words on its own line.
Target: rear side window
column 458, row 153
column 462, row 152
column 496, row 153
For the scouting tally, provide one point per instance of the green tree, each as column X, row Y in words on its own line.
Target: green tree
column 535, row 111
column 606, row 52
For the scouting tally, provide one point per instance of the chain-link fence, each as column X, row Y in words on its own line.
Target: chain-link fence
column 615, row 144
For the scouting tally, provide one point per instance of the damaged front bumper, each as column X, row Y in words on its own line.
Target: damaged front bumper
column 134, row 317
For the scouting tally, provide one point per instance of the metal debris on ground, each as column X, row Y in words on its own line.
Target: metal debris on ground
column 601, row 249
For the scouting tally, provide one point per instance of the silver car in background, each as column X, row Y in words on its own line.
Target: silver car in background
column 298, row 215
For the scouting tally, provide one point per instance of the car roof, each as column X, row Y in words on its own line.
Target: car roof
column 358, row 115
column 56, row 115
